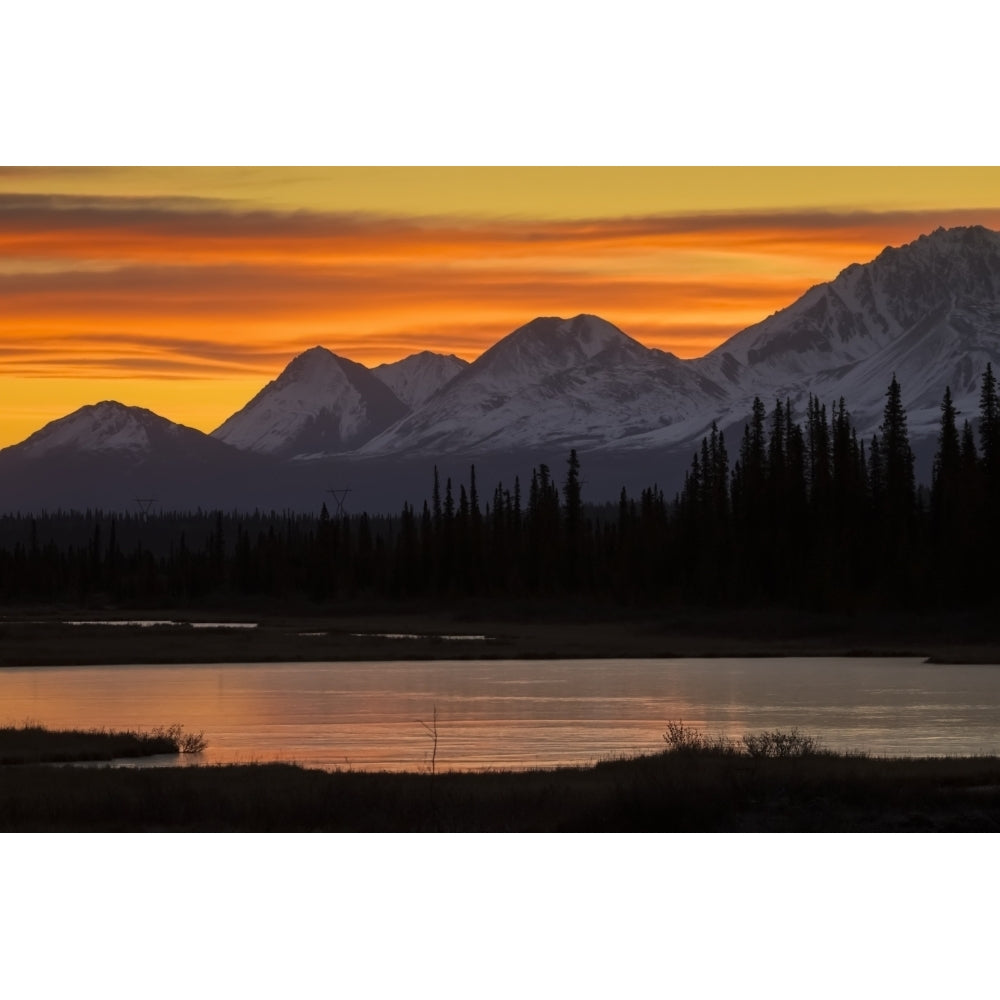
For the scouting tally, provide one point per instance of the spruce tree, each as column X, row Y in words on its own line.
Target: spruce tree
column 818, row 453
column 897, row 457
column 896, row 566
column 989, row 436
column 436, row 499
column 572, row 511
column 573, row 521
column 946, row 473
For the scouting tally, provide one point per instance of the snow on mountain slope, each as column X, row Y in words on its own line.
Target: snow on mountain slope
column 319, row 403
column 927, row 312
column 416, row 378
column 548, row 346
column 553, row 382
column 105, row 455
column 106, row 428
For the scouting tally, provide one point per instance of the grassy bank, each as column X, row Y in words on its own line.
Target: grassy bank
column 45, row 637
column 695, row 785
column 30, row 744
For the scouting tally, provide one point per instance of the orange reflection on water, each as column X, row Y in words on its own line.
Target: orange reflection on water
column 517, row 714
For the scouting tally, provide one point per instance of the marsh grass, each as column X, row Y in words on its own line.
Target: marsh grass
column 707, row 787
column 31, row 743
column 183, row 742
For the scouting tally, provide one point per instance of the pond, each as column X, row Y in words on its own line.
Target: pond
column 516, row 714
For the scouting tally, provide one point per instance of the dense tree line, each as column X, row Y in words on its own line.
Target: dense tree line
column 805, row 514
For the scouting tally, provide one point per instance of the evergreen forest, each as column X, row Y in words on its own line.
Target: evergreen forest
column 798, row 513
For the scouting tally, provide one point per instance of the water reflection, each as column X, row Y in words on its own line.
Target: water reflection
column 418, row 635
column 516, row 714
column 150, row 622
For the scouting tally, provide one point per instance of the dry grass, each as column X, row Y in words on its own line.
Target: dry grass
column 30, row 743
column 697, row 785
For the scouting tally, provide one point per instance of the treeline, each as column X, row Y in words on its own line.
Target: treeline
column 806, row 515
column 812, row 516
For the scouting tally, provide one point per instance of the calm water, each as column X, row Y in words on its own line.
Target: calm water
column 516, row 714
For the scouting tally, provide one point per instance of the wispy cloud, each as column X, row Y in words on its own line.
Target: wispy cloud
column 170, row 286
column 170, row 228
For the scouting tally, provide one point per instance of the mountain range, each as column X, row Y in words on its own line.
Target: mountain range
column 927, row 312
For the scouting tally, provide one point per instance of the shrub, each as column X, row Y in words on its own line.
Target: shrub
column 775, row 743
column 181, row 741
column 685, row 739
column 779, row 744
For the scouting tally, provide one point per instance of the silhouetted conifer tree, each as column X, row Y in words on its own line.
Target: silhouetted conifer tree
column 989, row 437
column 946, row 474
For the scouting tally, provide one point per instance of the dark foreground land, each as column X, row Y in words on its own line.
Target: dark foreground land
column 49, row 637
column 685, row 789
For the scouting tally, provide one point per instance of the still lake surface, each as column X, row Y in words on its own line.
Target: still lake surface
column 515, row 713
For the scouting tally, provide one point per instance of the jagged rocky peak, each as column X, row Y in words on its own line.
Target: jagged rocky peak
column 949, row 276
column 934, row 269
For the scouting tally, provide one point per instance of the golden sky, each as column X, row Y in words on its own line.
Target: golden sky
column 186, row 289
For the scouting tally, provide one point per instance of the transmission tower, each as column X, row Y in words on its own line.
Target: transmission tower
column 339, row 496
column 145, row 503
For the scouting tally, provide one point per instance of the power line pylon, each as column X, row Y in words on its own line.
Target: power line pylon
column 145, row 503
column 339, row 497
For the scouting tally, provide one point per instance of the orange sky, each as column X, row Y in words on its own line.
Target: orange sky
column 186, row 289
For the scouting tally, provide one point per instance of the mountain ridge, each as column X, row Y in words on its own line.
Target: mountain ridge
column 935, row 298
column 552, row 379
column 927, row 312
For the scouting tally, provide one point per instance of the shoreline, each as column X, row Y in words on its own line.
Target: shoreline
column 49, row 637
column 695, row 792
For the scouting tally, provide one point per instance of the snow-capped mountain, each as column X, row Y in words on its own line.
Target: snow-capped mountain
column 106, row 454
column 577, row 382
column 110, row 427
column 416, row 378
column 928, row 312
column 320, row 403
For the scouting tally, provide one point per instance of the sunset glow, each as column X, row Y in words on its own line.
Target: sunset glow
column 186, row 289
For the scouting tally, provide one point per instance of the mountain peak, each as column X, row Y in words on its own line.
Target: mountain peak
column 321, row 402
column 316, row 362
column 419, row 376
column 591, row 333
column 107, row 426
column 956, row 241
column 313, row 355
column 962, row 234
column 927, row 310
column 566, row 382
column 550, row 344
